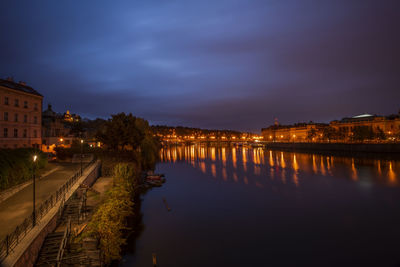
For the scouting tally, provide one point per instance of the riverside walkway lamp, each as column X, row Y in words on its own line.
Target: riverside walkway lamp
column 81, row 154
column 34, row 193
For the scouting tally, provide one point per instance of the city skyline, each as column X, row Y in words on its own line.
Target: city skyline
column 226, row 65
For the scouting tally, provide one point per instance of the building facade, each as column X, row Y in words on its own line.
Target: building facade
column 20, row 115
column 364, row 127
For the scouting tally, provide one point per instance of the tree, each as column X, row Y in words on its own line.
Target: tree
column 129, row 133
column 361, row 133
column 311, row 134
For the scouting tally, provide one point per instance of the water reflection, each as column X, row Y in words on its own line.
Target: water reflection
column 225, row 164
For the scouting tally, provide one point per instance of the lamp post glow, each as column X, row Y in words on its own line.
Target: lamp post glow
column 81, row 153
column 34, row 193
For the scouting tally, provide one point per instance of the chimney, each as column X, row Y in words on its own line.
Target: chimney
column 10, row 79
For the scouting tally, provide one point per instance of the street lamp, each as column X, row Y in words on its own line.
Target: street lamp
column 81, row 153
column 34, row 188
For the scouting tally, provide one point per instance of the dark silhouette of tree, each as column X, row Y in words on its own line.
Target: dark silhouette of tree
column 361, row 133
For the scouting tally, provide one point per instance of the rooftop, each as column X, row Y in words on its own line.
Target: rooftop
column 22, row 87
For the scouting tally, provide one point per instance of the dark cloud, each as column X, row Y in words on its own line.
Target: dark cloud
column 220, row 64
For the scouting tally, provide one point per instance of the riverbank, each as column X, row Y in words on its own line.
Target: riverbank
column 354, row 149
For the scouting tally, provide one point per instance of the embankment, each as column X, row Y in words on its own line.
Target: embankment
column 339, row 148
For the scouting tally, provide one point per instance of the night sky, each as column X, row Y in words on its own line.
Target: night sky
column 212, row 64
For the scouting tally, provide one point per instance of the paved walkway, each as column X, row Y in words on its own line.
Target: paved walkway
column 15, row 209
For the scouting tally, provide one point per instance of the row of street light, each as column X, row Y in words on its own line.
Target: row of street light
column 35, row 157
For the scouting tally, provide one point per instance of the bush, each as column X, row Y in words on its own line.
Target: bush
column 16, row 166
column 110, row 219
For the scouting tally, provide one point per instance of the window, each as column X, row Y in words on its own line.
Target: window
column 6, row 116
column 25, row 133
column 6, row 100
column 5, row 132
column 25, row 104
column 16, row 117
column 15, row 132
column 16, row 103
column 35, row 120
column 35, row 133
column 25, row 118
column 36, row 106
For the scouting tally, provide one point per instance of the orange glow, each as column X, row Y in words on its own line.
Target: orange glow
column 235, row 177
column 224, row 175
column 213, row 153
column 61, row 139
column 213, row 170
column 391, row 174
column 244, row 159
column 203, row 167
column 223, row 156
column 379, row 167
column 314, row 165
column 271, row 160
column 323, row 171
column 354, row 174
column 296, row 168
column 283, row 164
column 234, row 159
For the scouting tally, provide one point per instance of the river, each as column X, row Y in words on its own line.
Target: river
column 239, row 206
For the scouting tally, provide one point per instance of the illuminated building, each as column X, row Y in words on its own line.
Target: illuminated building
column 382, row 128
column 20, row 115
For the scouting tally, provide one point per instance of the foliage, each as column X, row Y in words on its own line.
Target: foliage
column 129, row 133
column 16, row 165
column 361, row 133
column 109, row 221
column 380, row 134
column 330, row 133
column 312, row 133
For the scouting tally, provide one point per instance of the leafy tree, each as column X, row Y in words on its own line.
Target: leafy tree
column 312, row 133
column 128, row 133
column 361, row 133
column 109, row 221
column 380, row 134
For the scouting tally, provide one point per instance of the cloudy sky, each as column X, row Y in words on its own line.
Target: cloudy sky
column 214, row 64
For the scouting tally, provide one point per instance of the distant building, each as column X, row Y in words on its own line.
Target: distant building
column 20, row 115
column 71, row 117
column 300, row 132
column 374, row 128
column 54, row 130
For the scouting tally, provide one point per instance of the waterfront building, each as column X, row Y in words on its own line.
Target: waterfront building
column 20, row 115
column 300, row 132
column 363, row 127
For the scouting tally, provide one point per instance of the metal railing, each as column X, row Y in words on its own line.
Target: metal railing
column 8, row 244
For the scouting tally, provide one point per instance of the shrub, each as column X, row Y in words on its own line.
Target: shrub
column 16, row 166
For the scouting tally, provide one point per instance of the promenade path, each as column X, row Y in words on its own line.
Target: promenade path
column 15, row 209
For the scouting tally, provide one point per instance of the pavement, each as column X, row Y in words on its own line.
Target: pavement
column 15, row 209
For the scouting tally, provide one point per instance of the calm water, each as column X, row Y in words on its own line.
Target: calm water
column 250, row 207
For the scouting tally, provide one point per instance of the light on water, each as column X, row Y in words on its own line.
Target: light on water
column 243, row 206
